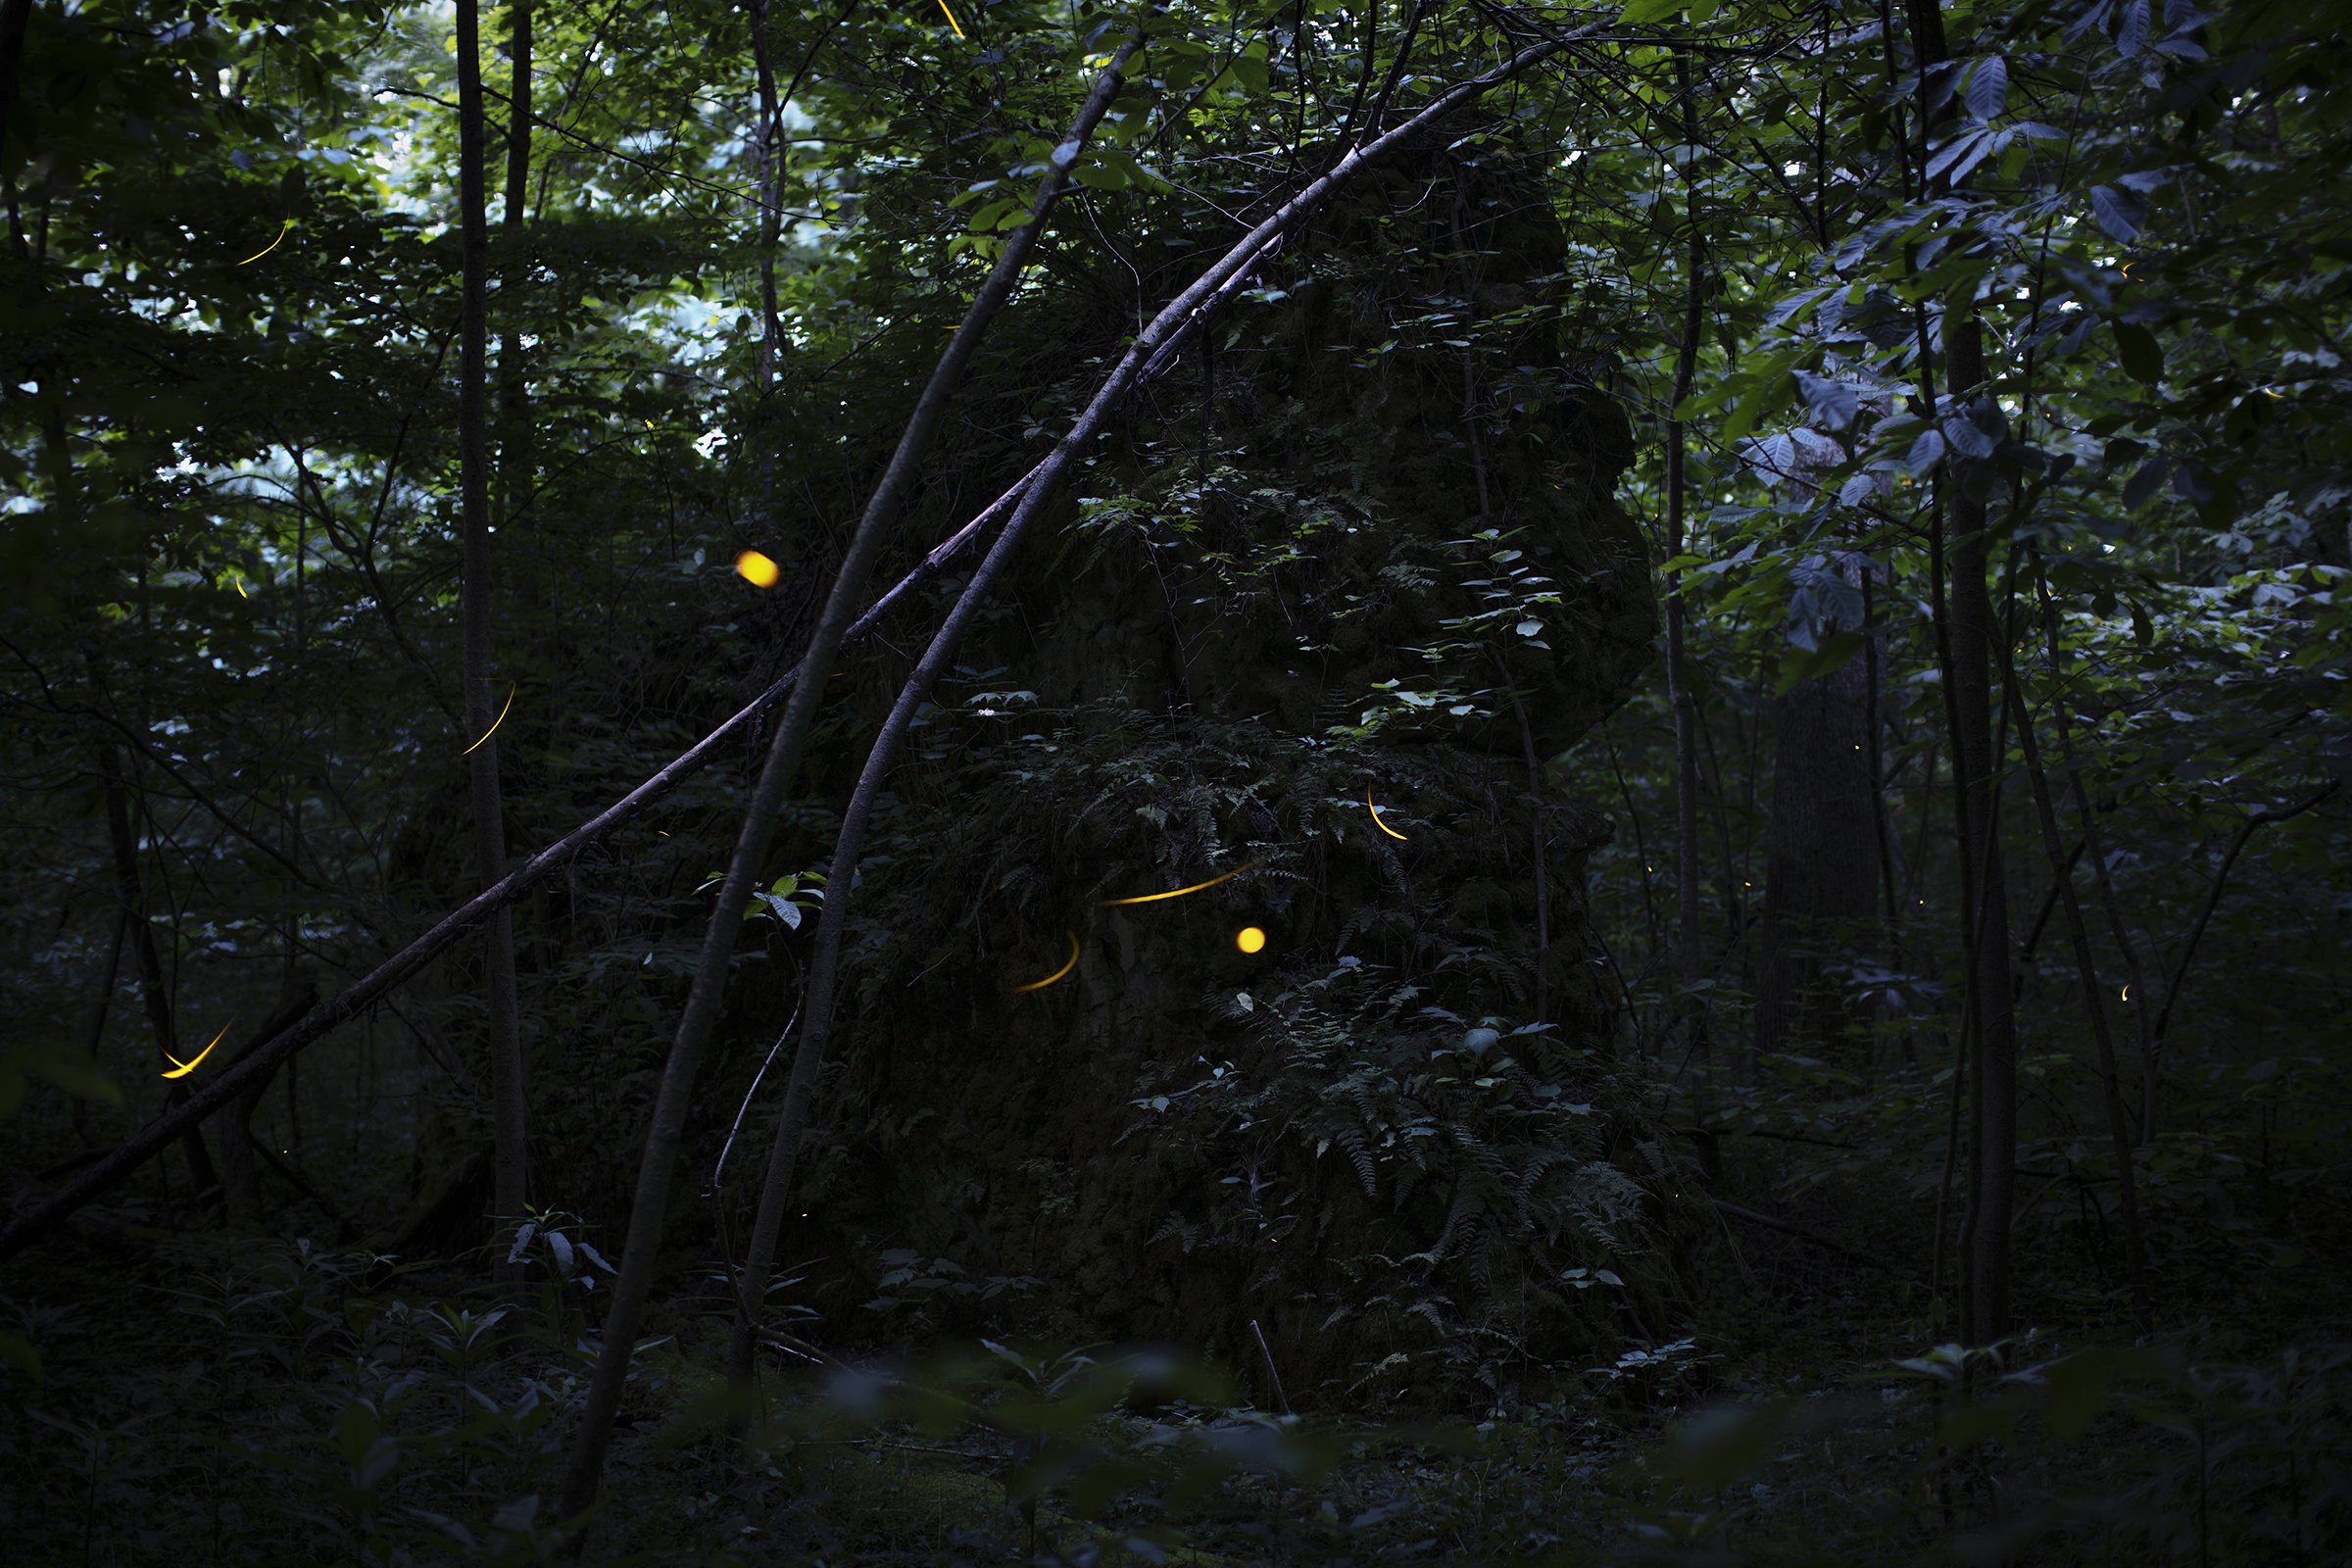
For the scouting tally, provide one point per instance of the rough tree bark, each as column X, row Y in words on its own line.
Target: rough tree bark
column 482, row 707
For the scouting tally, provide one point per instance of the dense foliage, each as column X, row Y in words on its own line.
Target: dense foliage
column 1749, row 616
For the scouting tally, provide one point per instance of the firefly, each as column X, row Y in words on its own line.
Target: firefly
column 951, row 22
column 273, row 245
column 1178, row 893
column 494, row 723
column 1375, row 811
column 181, row 1069
column 1040, row 985
column 1249, row 939
column 756, row 569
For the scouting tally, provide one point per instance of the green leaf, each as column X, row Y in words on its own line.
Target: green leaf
column 1643, row 12
column 1835, row 651
column 2116, row 213
column 2142, row 355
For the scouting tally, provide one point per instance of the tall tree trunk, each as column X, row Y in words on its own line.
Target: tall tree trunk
column 240, row 1175
column 482, row 707
column 513, row 413
column 1993, row 1151
column 154, row 989
column 1679, row 698
column 2094, row 997
column 1822, row 868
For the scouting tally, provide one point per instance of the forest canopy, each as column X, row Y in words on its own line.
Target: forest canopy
column 1323, row 782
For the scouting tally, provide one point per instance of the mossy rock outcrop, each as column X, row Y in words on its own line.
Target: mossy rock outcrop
column 1361, row 551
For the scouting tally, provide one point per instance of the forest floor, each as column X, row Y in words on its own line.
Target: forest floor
column 210, row 1400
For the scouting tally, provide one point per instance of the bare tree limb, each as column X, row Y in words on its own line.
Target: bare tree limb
column 109, row 1171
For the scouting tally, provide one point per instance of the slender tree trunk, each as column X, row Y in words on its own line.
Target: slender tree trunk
column 2259, row 818
column 108, row 1172
column 1679, row 698
column 2135, row 1254
column 14, row 16
column 703, row 997
column 100, row 1008
column 1974, row 629
column 514, row 478
column 154, row 989
column 2143, row 1007
column 1152, row 347
column 1823, row 860
column 482, row 706
column 240, row 1175
column 770, row 181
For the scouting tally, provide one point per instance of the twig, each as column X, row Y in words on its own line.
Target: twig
column 1769, row 1222
column 1281, row 1401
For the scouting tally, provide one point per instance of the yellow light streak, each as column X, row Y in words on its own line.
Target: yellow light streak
column 1376, row 821
column 951, row 22
column 1178, row 893
column 273, row 245
column 1249, row 939
column 181, row 1069
column 240, row 583
column 494, row 723
column 1040, row 985
column 757, row 569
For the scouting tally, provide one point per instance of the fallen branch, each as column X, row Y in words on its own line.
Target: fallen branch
column 257, row 1065
column 1771, row 1223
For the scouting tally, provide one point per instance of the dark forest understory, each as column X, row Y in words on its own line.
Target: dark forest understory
column 1327, row 784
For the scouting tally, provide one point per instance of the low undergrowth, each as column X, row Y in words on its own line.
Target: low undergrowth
column 324, row 1407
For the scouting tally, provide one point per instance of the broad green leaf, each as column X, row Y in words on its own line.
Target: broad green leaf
column 2141, row 355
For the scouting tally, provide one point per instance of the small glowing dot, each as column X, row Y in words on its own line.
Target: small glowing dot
column 756, row 569
column 1249, row 939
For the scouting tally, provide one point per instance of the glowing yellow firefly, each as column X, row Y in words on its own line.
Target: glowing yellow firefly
column 1375, row 811
column 951, row 22
column 1040, row 985
column 494, row 723
column 756, row 569
column 273, row 245
column 1249, row 939
column 240, row 583
column 181, row 1069
column 1178, row 893
column 2126, row 996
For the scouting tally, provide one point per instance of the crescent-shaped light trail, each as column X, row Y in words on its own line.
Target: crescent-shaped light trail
column 951, row 22
column 1040, row 985
column 494, row 723
column 181, row 1069
column 1375, row 811
column 1178, row 893
column 273, row 245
